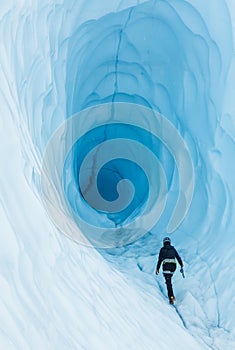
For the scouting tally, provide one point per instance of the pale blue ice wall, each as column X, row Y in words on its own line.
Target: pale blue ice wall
column 173, row 56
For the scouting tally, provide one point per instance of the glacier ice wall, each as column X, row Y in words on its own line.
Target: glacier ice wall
column 175, row 57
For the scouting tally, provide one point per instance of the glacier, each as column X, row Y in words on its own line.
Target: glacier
column 81, row 224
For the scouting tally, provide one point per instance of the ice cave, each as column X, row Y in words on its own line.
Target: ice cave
column 117, row 129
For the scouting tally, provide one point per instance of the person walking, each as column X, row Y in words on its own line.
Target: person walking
column 167, row 257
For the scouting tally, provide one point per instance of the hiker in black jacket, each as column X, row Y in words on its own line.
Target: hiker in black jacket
column 167, row 256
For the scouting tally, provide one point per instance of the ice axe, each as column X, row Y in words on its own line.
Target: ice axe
column 182, row 271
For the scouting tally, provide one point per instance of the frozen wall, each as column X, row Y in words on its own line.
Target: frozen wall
column 173, row 57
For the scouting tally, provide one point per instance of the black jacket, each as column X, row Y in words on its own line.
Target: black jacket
column 168, row 252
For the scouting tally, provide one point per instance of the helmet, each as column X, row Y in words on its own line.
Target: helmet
column 167, row 239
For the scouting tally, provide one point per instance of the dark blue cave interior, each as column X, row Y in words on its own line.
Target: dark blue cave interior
column 112, row 172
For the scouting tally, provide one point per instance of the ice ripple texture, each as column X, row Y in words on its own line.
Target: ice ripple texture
column 173, row 57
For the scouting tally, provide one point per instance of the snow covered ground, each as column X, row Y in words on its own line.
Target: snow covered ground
column 58, row 58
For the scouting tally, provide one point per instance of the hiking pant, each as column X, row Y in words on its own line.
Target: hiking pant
column 168, row 277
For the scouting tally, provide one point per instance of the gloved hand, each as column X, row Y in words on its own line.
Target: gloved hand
column 157, row 272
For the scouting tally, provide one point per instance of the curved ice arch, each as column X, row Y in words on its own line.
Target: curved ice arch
column 203, row 92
